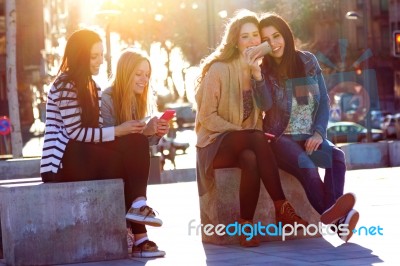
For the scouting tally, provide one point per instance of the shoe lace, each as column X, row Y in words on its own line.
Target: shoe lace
column 341, row 221
column 130, row 234
column 149, row 210
column 147, row 243
column 142, row 246
column 289, row 210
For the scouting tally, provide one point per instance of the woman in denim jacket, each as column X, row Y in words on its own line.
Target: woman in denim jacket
column 297, row 122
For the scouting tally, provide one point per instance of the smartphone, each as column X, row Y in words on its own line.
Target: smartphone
column 262, row 49
column 146, row 119
column 168, row 115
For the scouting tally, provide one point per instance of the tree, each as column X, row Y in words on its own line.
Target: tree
column 12, row 92
column 147, row 21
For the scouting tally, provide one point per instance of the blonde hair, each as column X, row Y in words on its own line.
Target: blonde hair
column 127, row 104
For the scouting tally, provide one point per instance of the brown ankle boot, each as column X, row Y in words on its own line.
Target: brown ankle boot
column 253, row 242
column 284, row 213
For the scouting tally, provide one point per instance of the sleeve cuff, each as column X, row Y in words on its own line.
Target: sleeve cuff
column 108, row 133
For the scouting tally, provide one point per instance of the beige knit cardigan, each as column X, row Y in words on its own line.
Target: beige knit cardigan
column 220, row 103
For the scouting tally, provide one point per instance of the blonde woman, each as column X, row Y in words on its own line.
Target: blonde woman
column 129, row 99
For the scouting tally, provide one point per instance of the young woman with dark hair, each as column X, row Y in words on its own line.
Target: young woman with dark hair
column 298, row 119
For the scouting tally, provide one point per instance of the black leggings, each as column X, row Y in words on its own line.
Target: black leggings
column 126, row 157
column 250, row 151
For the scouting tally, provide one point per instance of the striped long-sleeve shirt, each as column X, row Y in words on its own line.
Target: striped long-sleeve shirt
column 63, row 122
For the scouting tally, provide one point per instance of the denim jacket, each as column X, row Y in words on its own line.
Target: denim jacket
column 277, row 117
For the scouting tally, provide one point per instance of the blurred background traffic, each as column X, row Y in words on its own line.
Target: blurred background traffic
column 356, row 41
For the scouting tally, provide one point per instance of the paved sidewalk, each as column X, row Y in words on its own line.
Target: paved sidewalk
column 377, row 200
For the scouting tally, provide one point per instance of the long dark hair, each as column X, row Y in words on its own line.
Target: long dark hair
column 76, row 65
column 291, row 65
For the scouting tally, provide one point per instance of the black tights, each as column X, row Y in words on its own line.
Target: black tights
column 126, row 157
column 250, row 151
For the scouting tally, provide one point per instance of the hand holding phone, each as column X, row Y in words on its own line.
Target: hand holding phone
column 262, row 49
column 168, row 115
column 146, row 119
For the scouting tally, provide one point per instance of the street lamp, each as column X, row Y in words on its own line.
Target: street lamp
column 352, row 15
column 109, row 16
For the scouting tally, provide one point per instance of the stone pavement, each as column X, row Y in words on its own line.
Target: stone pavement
column 377, row 201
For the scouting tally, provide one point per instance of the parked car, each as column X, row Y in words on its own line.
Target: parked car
column 377, row 117
column 397, row 125
column 344, row 132
column 388, row 126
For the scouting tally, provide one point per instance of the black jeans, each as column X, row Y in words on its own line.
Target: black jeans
column 126, row 157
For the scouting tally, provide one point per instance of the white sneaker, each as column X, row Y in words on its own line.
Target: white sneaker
column 147, row 249
column 143, row 215
column 130, row 239
column 351, row 220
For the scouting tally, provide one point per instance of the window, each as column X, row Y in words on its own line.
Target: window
column 360, row 4
column 384, row 5
column 360, row 38
column 385, row 36
column 397, row 84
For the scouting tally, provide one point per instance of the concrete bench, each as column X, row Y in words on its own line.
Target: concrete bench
column 59, row 223
column 30, row 168
column 221, row 205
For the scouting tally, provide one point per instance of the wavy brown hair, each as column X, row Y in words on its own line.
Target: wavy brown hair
column 227, row 50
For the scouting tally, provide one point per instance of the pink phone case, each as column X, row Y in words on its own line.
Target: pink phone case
column 168, row 115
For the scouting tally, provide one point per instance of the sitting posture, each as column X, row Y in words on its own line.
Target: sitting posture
column 298, row 120
column 128, row 101
column 77, row 147
column 229, row 123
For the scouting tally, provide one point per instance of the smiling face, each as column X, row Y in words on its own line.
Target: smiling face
column 249, row 36
column 141, row 76
column 275, row 40
column 96, row 58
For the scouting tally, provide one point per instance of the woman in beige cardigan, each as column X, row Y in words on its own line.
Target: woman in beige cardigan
column 229, row 124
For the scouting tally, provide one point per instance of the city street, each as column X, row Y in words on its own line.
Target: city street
column 191, row 57
column 178, row 204
column 377, row 201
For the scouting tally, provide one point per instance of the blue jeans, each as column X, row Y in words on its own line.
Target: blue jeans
column 292, row 158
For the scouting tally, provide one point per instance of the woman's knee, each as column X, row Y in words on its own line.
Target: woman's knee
column 338, row 155
column 248, row 158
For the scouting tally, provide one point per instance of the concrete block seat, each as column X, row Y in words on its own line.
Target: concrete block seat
column 59, row 223
column 221, row 206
